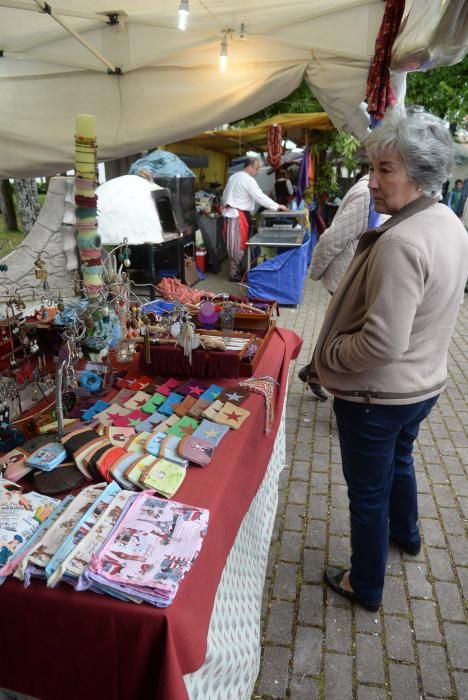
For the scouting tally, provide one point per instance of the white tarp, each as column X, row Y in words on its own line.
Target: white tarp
column 164, row 84
column 170, row 86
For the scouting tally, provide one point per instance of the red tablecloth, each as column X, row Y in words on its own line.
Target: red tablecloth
column 58, row 643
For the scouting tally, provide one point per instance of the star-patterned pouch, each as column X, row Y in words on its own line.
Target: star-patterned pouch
column 168, row 423
column 131, row 419
column 185, row 426
column 168, row 386
column 153, row 403
column 109, row 414
column 211, row 432
column 198, row 407
column 149, row 423
column 192, row 388
column 167, row 408
column 122, row 396
column 196, row 450
column 92, row 411
column 234, row 394
column 182, row 408
column 212, row 393
column 137, row 401
column 232, row 415
column 135, row 383
column 212, row 410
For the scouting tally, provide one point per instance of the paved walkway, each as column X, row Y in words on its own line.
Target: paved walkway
column 316, row 645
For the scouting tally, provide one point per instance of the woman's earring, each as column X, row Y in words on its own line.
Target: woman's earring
column 418, row 188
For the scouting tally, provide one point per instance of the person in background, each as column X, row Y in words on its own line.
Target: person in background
column 336, row 247
column 382, row 350
column 456, row 198
column 240, row 196
column 283, row 190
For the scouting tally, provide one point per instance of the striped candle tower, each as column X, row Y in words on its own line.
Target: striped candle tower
column 86, row 203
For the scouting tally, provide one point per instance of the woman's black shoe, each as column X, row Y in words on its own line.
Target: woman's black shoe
column 411, row 549
column 333, row 577
column 315, row 388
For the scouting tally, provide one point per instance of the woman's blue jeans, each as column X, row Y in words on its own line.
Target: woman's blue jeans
column 376, row 443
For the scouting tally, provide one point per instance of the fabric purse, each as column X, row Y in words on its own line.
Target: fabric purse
column 196, row 450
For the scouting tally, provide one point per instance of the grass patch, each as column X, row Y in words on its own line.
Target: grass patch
column 14, row 236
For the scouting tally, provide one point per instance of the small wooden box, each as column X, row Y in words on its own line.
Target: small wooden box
column 248, row 366
column 248, row 337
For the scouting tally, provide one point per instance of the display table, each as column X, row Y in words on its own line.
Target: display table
column 275, row 239
column 58, row 643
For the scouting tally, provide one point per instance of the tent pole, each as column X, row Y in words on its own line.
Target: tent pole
column 46, row 8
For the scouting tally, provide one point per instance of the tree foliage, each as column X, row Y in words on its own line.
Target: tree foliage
column 302, row 100
column 442, row 91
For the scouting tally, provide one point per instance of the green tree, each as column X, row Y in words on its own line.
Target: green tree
column 302, row 100
column 442, row 91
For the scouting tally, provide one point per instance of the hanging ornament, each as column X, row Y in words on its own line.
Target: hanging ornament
column 40, row 269
column 187, row 337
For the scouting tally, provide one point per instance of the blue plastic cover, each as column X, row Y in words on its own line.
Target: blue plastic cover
column 281, row 278
column 161, row 164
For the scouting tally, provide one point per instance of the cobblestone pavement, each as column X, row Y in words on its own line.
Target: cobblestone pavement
column 316, row 645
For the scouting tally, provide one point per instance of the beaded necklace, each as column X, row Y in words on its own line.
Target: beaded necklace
column 265, row 386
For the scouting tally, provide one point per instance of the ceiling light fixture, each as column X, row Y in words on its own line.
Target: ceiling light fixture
column 184, row 11
column 223, row 54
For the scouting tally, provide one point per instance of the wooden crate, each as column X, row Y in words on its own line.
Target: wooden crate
column 248, row 337
column 247, row 367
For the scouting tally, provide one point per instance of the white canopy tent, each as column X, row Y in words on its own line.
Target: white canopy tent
column 149, row 83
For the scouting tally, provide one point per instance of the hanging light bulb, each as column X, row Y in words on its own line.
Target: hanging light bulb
column 183, row 15
column 223, row 55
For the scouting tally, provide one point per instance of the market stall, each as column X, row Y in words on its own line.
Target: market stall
column 103, row 647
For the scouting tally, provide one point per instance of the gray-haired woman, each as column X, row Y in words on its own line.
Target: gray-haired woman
column 382, row 349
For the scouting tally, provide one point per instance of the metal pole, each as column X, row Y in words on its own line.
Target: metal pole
column 58, row 399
